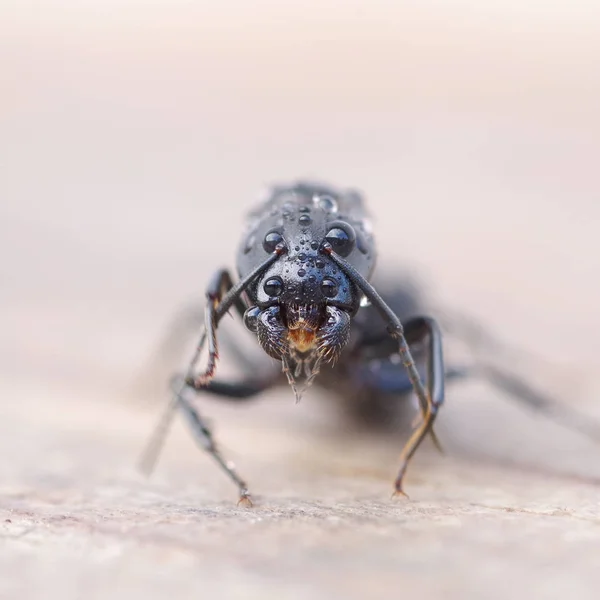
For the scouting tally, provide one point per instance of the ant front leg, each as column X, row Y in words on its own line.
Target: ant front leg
column 221, row 296
column 389, row 378
column 219, row 285
column 203, row 435
column 419, row 329
column 429, row 400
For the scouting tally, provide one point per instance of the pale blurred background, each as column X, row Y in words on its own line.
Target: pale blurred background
column 135, row 134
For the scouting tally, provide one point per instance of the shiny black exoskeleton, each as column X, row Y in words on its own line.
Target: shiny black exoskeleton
column 302, row 304
column 305, row 264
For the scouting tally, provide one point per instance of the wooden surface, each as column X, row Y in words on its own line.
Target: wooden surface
column 79, row 521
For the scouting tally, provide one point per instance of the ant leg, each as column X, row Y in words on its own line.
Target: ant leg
column 243, row 390
column 430, row 403
column 220, row 284
column 518, row 389
column 221, row 296
column 390, row 379
column 186, row 319
column 419, row 329
column 236, row 391
column 479, row 341
column 416, row 330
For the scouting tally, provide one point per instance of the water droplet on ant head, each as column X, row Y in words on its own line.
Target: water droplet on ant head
column 364, row 302
column 314, row 245
column 301, row 272
column 297, row 248
column 304, row 221
column 326, row 203
column 304, row 209
column 251, row 318
column 329, row 287
column 312, row 278
column 319, row 263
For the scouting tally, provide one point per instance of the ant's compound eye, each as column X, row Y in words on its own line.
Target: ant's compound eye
column 271, row 240
column 273, row 286
column 341, row 239
column 329, row 287
column 251, row 318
